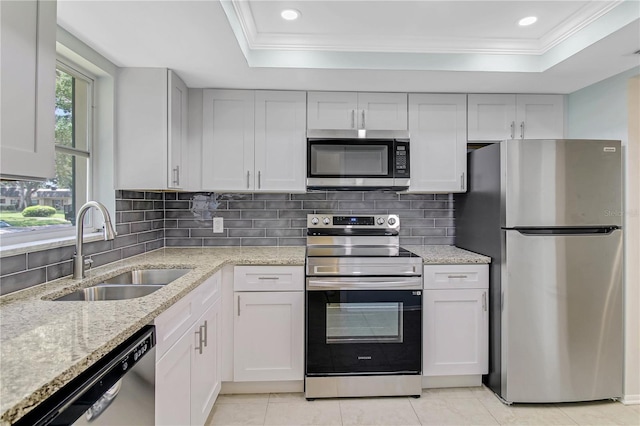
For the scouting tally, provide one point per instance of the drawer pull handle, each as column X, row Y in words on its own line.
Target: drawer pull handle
column 203, row 328
column 484, row 301
column 458, row 276
column 238, row 305
column 199, row 334
column 268, row 278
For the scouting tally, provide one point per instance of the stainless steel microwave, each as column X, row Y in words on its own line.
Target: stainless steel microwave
column 358, row 164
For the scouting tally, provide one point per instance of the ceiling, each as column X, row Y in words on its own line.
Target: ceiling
column 375, row 45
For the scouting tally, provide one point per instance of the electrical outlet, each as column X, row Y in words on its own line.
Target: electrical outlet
column 218, row 225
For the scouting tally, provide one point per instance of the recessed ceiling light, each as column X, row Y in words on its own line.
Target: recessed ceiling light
column 290, row 14
column 527, row 21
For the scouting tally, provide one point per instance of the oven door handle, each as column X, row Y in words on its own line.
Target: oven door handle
column 365, row 283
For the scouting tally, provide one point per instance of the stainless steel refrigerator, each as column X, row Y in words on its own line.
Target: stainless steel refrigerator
column 549, row 213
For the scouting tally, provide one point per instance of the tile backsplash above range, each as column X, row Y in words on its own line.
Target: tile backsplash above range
column 279, row 219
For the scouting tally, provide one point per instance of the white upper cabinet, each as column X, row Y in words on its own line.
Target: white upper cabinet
column 227, row 139
column 500, row 117
column 352, row 111
column 27, row 87
column 539, row 117
column 382, row 111
column 492, row 117
column 438, row 128
column 332, row 110
column 253, row 141
column 280, row 141
column 151, row 109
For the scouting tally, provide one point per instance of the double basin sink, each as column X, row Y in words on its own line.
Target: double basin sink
column 128, row 285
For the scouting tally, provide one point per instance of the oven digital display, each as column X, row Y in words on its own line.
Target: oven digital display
column 353, row 220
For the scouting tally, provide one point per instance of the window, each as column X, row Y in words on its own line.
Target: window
column 42, row 210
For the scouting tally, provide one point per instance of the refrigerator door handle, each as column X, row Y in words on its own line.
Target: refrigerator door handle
column 538, row 231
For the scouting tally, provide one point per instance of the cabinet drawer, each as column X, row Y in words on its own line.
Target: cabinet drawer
column 208, row 292
column 456, row 276
column 175, row 321
column 268, row 278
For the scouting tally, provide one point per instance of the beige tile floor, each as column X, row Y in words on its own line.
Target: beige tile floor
column 456, row 406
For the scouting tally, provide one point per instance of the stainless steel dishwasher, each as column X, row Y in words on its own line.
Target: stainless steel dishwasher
column 119, row 390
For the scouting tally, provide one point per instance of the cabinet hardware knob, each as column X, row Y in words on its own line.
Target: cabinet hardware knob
column 513, row 129
column 522, row 130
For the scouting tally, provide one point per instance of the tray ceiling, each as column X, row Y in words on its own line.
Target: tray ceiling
column 375, row 45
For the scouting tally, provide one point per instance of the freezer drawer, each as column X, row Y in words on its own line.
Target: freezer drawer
column 562, row 317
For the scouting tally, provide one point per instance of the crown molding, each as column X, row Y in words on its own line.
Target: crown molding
column 586, row 15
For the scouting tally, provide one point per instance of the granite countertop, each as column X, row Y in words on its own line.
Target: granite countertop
column 443, row 255
column 45, row 344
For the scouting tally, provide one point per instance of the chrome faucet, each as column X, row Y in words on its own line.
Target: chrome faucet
column 79, row 262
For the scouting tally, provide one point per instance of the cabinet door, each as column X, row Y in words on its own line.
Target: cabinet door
column 540, row 117
column 227, row 140
column 437, row 124
column 27, row 87
column 177, row 133
column 206, row 364
column 455, row 332
column 268, row 336
column 280, row 141
column 332, row 110
column 142, row 113
column 491, row 117
column 382, row 111
column 173, row 383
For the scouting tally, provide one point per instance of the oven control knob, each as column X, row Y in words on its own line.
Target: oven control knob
column 392, row 221
column 314, row 221
column 326, row 221
column 380, row 221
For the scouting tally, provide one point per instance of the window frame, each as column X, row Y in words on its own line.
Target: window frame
column 52, row 237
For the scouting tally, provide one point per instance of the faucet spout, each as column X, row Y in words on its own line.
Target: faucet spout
column 109, row 234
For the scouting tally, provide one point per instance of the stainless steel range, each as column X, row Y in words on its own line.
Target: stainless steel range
column 364, row 308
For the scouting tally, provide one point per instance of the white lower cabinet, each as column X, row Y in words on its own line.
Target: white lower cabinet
column 173, row 386
column 268, row 330
column 205, row 365
column 455, row 320
column 188, row 371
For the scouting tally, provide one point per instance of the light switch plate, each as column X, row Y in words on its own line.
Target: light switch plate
column 218, row 225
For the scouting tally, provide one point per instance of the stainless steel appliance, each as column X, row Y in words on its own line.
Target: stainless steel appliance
column 549, row 213
column 119, row 390
column 358, row 163
column 364, row 308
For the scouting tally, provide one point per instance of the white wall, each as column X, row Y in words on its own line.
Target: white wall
column 610, row 109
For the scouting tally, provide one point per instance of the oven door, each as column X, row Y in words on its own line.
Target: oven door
column 365, row 331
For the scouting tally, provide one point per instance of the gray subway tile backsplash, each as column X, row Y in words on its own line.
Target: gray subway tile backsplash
column 150, row 220
column 140, row 226
column 281, row 219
